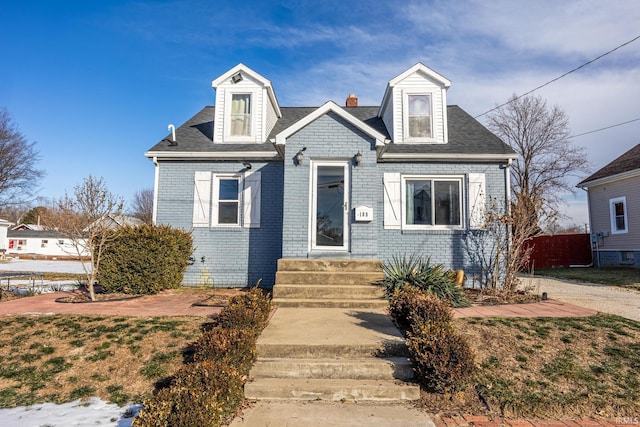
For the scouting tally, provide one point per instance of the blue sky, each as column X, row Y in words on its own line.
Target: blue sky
column 95, row 83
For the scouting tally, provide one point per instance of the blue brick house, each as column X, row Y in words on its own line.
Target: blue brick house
column 256, row 182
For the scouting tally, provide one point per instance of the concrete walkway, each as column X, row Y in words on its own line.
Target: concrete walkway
column 606, row 299
column 290, row 326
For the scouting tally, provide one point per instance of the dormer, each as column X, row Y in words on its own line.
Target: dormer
column 246, row 107
column 414, row 107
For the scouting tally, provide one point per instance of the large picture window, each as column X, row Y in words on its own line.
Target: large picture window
column 240, row 114
column 618, row 213
column 432, row 202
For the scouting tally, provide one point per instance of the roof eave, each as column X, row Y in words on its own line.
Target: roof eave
column 608, row 179
column 212, row 155
column 449, row 157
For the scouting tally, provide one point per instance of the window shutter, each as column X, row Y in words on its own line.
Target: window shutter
column 477, row 201
column 392, row 203
column 201, row 199
column 252, row 196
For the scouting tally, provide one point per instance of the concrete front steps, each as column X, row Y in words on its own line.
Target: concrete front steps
column 331, row 354
column 331, row 283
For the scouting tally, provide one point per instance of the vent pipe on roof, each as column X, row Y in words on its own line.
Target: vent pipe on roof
column 172, row 128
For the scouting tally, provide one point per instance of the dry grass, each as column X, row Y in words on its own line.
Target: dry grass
column 548, row 368
column 60, row 358
column 624, row 277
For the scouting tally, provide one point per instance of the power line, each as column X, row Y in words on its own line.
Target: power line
column 604, row 128
column 558, row 78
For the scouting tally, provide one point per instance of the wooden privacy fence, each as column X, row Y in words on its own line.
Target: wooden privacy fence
column 561, row 250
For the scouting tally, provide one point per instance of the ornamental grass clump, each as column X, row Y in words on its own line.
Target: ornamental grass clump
column 418, row 272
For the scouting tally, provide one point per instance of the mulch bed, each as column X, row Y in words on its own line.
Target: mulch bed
column 76, row 297
column 497, row 297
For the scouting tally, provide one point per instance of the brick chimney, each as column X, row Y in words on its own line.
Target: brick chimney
column 352, row 100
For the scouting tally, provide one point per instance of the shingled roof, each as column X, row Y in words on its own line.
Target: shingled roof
column 467, row 136
column 627, row 162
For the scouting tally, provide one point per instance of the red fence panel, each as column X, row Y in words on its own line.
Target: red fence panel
column 561, row 250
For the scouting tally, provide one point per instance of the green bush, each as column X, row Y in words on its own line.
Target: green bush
column 412, row 308
column 145, row 259
column 232, row 346
column 201, row 394
column 442, row 359
column 247, row 311
column 418, row 272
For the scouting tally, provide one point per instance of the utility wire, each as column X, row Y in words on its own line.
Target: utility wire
column 604, row 128
column 558, row 78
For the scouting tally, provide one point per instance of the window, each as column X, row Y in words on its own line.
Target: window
column 44, row 243
column 432, row 202
column 226, row 194
column 618, row 212
column 418, row 117
column 240, row 114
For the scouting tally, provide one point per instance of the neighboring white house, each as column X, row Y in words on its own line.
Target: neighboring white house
column 23, row 241
column 31, row 240
column 4, row 226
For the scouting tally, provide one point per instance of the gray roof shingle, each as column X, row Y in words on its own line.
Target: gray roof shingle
column 625, row 163
column 466, row 135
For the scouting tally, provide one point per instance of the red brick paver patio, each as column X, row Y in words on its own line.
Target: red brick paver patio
column 484, row 421
column 167, row 303
column 547, row 308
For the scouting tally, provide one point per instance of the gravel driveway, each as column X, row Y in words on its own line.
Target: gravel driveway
column 606, row 299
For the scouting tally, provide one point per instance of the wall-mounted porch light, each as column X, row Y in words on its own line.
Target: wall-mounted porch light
column 300, row 156
column 357, row 158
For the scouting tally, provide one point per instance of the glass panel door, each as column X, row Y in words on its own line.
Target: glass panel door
column 331, row 207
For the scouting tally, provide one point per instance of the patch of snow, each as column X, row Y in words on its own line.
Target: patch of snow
column 92, row 412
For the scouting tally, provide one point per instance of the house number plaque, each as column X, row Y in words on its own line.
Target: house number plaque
column 364, row 213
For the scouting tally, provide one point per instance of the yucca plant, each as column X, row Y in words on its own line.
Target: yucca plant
column 418, row 272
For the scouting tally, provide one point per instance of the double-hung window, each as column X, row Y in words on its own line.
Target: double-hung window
column 618, row 213
column 432, row 202
column 240, row 123
column 418, row 117
column 226, row 195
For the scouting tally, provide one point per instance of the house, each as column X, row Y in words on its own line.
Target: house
column 613, row 197
column 4, row 226
column 33, row 241
column 255, row 181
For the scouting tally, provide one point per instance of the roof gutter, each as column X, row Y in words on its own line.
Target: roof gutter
column 212, row 155
column 450, row 157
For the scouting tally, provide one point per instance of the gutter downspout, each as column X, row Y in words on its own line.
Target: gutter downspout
column 507, row 208
column 155, row 188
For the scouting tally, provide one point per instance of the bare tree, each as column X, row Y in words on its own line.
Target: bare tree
column 143, row 205
column 18, row 158
column 85, row 219
column 547, row 158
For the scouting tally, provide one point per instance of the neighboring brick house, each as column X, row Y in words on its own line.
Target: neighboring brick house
column 613, row 194
column 256, row 182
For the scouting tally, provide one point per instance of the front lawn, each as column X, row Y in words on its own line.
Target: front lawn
column 550, row 367
column 60, row 358
column 623, row 277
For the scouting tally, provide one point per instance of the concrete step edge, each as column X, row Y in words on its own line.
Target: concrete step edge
column 331, row 389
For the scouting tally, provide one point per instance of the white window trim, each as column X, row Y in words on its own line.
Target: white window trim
column 612, row 215
column 215, row 199
column 403, row 202
column 405, row 117
column 227, row 114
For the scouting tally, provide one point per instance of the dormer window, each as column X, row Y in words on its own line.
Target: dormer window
column 240, row 115
column 418, row 117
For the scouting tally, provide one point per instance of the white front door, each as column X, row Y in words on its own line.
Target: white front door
column 330, row 206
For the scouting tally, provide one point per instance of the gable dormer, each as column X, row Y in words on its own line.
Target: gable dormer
column 414, row 107
column 246, row 107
